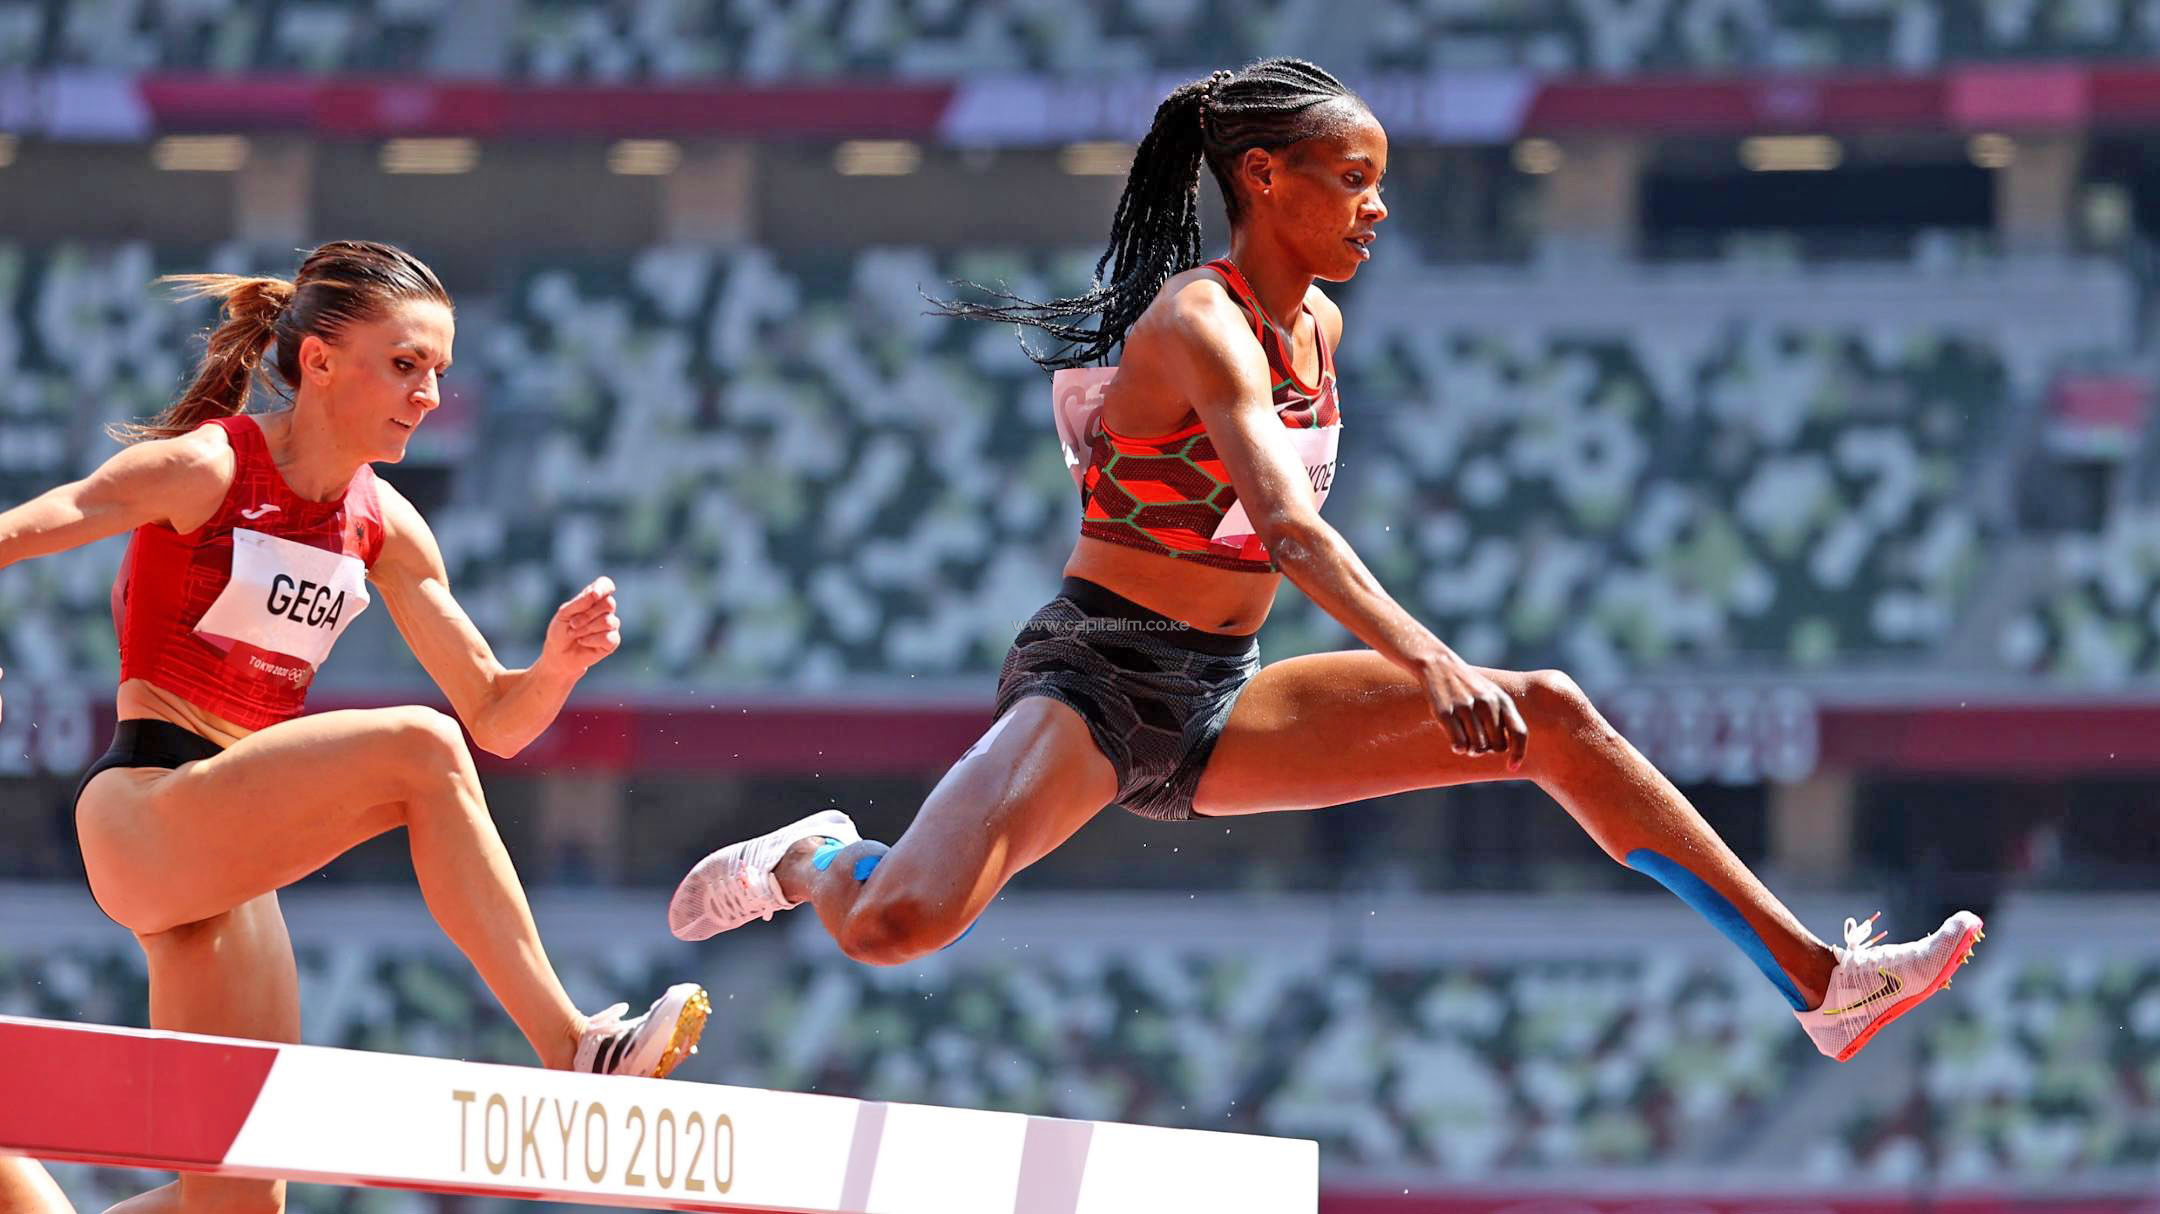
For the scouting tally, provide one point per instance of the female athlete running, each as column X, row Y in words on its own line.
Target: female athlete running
column 256, row 540
column 1202, row 466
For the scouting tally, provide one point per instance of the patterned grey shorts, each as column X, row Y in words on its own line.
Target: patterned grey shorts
column 1154, row 692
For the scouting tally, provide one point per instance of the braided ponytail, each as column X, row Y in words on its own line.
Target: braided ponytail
column 1155, row 233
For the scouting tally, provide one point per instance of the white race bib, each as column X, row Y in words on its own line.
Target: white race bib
column 289, row 598
column 1316, row 450
column 1076, row 402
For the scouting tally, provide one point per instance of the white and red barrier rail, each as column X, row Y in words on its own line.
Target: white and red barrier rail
column 134, row 1098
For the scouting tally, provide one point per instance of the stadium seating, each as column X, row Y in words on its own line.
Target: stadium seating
column 2095, row 620
column 798, row 477
column 311, row 36
column 775, row 40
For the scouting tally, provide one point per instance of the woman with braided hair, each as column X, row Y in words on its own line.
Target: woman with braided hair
column 256, row 537
column 1202, row 461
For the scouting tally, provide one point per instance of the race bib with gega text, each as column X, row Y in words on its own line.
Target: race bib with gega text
column 288, row 598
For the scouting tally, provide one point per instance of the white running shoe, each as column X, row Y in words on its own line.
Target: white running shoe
column 651, row 1044
column 1876, row 983
column 734, row 885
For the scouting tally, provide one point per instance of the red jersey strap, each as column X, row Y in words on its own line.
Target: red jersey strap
column 250, row 450
column 1272, row 339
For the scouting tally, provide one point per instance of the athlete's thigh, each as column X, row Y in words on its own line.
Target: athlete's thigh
column 1320, row 730
column 1025, row 786
column 170, row 847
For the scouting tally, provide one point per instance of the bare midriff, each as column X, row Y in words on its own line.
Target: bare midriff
column 139, row 698
column 1209, row 599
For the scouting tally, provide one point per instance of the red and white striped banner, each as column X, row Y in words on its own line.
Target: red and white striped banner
column 203, row 1104
column 1455, row 106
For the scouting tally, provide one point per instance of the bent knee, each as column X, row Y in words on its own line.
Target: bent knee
column 894, row 931
column 431, row 742
column 1553, row 693
column 426, row 727
column 1557, row 702
column 158, row 928
column 149, row 920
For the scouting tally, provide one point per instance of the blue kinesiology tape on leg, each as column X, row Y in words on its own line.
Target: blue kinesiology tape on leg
column 867, row 865
column 822, row 858
column 1721, row 913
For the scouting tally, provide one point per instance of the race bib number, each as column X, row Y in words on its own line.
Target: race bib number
column 288, row 598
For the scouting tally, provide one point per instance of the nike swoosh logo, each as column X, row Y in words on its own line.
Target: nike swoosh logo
column 1892, row 984
column 257, row 512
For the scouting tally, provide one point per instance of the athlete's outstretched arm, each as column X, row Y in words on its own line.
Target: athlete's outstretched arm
column 505, row 709
column 179, row 481
column 1223, row 373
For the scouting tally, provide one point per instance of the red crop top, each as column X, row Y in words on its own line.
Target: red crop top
column 235, row 616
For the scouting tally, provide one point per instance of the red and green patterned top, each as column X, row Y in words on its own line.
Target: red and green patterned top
column 1170, row 494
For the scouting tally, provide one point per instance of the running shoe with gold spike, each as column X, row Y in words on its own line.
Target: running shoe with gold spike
column 651, row 1043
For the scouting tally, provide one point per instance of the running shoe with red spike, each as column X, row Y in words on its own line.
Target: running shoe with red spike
column 1875, row 983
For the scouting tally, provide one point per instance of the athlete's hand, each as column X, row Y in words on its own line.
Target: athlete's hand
column 1480, row 717
column 586, row 628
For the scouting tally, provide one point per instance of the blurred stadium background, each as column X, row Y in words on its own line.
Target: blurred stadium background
column 1784, row 369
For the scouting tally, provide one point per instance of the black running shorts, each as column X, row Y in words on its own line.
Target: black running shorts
column 1154, row 691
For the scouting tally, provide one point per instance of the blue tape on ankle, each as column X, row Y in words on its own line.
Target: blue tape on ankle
column 865, row 866
column 822, row 858
column 1721, row 913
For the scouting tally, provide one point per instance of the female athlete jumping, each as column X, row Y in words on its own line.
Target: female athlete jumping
column 256, row 540
column 1202, row 466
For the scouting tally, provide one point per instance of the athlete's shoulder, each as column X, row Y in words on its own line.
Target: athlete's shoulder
column 399, row 515
column 181, row 481
column 1197, row 335
column 407, row 541
column 205, row 445
column 194, row 460
column 1198, row 304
